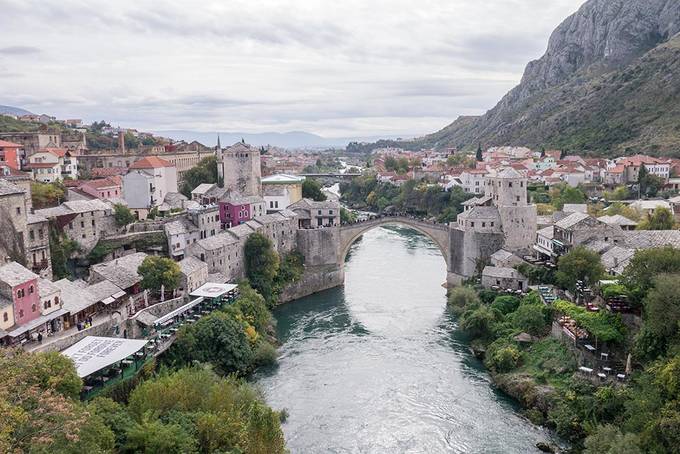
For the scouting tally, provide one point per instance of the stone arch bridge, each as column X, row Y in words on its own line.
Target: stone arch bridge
column 438, row 233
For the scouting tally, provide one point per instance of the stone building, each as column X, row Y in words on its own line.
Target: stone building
column 239, row 169
column 37, row 245
column 579, row 228
column 207, row 219
column 83, row 221
column 222, row 253
column 194, row 274
column 180, row 234
column 32, row 142
column 504, row 278
column 501, row 219
column 312, row 214
column 20, row 286
column 13, row 222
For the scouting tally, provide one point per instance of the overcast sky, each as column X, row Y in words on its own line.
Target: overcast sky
column 335, row 68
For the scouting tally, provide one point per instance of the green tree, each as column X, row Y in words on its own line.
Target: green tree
column 579, row 264
column 463, row 297
column 532, row 318
column 204, row 172
column 661, row 219
column 159, row 272
column 505, row 304
column 154, row 437
column 478, row 323
column 262, row 264
column 311, row 189
column 608, row 439
column 40, row 407
column 122, row 215
column 218, row 339
column 645, row 266
column 662, row 307
column 479, row 155
column 347, row 216
column 45, row 195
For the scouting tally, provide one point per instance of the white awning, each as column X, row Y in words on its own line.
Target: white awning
column 213, row 290
column 109, row 300
column 35, row 323
column 95, row 353
column 119, row 294
column 179, row 311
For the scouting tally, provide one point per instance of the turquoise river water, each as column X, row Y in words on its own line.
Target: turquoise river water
column 377, row 366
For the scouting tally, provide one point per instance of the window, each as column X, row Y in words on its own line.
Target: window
column 82, row 224
column 70, row 225
column 330, row 212
column 483, row 224
column 5, row 317
column 40, row 233
column 518, row 198
column 93, row 223
column 47, row 304
column 18, row 210
column 21, row 313
column 56, row 300
column 509, row 184
column 34, row 308
column 30, row 290
column 31, row 234
column 472, row 224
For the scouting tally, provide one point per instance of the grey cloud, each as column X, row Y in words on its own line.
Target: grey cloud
column 19, row 50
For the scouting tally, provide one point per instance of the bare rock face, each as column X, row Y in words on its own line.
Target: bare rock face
column 602, row 35
column 597, row 49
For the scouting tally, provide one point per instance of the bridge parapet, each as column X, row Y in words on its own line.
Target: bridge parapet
column 438, row 233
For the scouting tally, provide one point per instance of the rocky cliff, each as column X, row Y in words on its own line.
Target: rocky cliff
column 609, row 82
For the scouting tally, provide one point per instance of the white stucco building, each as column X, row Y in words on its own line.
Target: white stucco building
column 147, row 183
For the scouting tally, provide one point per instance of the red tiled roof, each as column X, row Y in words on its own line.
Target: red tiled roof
column 108, row 171
column 4, row 143
column 151, row 162
column 101, row 183
column 58, row 152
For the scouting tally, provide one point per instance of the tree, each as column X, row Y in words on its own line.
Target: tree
column 45, row 195
column 204, row 172
column 262, row 264
column 463, row 297
column 479, row 155
column 662, row 307
column 41, row 409
column 155, row 437
column 531, row 318
column 217, row 339
column 159, row 272
column 347, row 216
column 608, row 439
column 478, row 323
column 311, row 189
column 661, row 219
column 645, row 266
column 649, row 184
column 580, row 264
column 122, row 215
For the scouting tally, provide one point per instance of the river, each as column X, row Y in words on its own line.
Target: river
column 377, row 366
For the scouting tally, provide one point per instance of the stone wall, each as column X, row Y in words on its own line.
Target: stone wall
column 319, row 246
column 469, row 250
column 105, row 329
column 315, row 279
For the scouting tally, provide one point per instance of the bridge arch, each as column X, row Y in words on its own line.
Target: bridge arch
column 438, row 233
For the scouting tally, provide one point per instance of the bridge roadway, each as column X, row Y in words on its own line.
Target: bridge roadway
column 438, row 233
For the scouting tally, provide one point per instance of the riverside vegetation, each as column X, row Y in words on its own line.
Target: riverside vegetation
column 640, row 416
column 194, row 400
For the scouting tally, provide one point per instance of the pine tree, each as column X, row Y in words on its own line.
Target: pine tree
column 480, row 157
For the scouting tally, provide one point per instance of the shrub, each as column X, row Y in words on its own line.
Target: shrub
column 505, row 359
column 462, row 297
column 505, row 304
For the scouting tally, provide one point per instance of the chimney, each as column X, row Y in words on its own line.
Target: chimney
column 121, row 141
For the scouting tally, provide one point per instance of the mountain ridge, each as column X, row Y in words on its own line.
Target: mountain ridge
column 607, row 46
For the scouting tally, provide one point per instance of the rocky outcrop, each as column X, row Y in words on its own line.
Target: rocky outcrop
column 591, row 55
column 525, row 390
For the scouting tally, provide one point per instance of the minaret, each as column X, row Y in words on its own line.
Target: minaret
column 218, row 147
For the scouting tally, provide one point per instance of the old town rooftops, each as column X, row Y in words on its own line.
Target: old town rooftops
column 14, row 274
column 571, row 220
column 7, row 188
column 74, row 207
column 151, row 162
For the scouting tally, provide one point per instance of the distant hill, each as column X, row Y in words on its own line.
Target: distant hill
column 609, row 83
column 294, row 139
column 9, row 110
